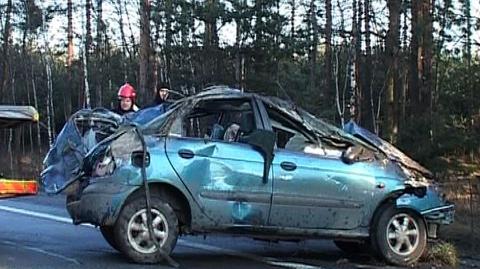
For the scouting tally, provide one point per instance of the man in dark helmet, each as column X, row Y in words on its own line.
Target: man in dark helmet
column 161, row 95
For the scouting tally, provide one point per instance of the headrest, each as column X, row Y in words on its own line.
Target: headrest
column 247, row 123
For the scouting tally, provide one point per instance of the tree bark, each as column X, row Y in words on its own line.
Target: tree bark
column 144, row 88
column 238, row 45
column 392, row 62
column 69, row 33
column 88, row 27
column 313, row 45
column 68, row 92
column 99, row 53
column 211, row 41
column 168, row 35
column 421, row 59
column 368, row 104
column 6, row 40
column 356, row 89
column 328, row 52
column 292, row 20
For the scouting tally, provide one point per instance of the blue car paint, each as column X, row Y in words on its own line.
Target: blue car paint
column 223, row 185
column 225, row 178
column 341, row 203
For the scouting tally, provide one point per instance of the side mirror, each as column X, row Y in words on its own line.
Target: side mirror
column 351, row 154
column 264, row 142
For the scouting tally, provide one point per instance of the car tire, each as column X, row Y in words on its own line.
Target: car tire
column 399, row 236
column 109, row 235
column 131, row 230
column 352, row 247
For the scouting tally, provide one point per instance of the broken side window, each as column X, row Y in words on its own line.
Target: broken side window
column 289, row 135
column 292, row 136
column 226, row 120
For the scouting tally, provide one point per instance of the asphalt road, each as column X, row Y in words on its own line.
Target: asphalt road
column 36, row 232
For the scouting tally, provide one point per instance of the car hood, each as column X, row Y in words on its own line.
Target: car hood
column 393, row 153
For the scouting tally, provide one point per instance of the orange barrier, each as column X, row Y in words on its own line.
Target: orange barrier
column 17, row 187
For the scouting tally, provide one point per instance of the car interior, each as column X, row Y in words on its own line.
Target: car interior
column 228, row 120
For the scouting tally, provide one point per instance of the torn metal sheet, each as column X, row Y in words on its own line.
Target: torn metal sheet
column 388, row 149
column 82, row 132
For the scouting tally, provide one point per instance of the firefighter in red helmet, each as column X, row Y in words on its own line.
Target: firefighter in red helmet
column 126, row 100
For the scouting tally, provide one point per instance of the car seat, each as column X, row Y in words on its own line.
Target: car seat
column 217, row 132
column 247, row 125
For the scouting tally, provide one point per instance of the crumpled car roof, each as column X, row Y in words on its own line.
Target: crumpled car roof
column 66, row 156
column 388, row 149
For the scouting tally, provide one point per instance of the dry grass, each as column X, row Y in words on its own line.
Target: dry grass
column 443, row 254
column 464, row 191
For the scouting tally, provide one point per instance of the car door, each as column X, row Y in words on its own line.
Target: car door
column 313, row 188
column 224, row 177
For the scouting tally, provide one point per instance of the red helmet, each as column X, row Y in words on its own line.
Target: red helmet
column 127, row 91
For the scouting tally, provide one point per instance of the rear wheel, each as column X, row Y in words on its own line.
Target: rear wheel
column 131, row 230
column 400, row 236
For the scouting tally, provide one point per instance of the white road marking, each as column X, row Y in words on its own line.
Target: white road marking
column 4, row 242
column 231, row 252
column 40, row 215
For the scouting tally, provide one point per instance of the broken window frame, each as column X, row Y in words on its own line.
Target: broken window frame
column 176, row 123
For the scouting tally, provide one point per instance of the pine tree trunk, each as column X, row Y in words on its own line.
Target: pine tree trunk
column 421, row 59
column 368, row 103
column 84, row 97
column 292, row 20
column 313, row 45
column 4, row 59
column 69, row 33
column 132, row 37
column 355, row 79
column 125, row 50
column 88, row 27
column 238, row 46
column 35, row 102
column 328, row 52
column 426, row 89
column 98, row 52
column 392, row 76
column 144, row 87
column 68, row 92
column 211, row 41
column 100, row 27
column 168, row 35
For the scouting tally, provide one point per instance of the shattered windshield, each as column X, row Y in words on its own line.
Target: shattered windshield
column 326, row 130
column 155, row 124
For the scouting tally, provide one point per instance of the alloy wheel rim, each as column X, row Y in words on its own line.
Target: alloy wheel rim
column 403, row 234
column 138, row 235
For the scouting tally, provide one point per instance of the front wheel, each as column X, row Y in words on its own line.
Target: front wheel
column 400, row 236
column 108, row 235
column 131, row 230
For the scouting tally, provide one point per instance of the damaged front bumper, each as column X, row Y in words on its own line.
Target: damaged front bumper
column 432, row 206
column 100, row 202
column 442, row 215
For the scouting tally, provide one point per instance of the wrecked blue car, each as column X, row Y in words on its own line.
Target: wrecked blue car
column 225, row 161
